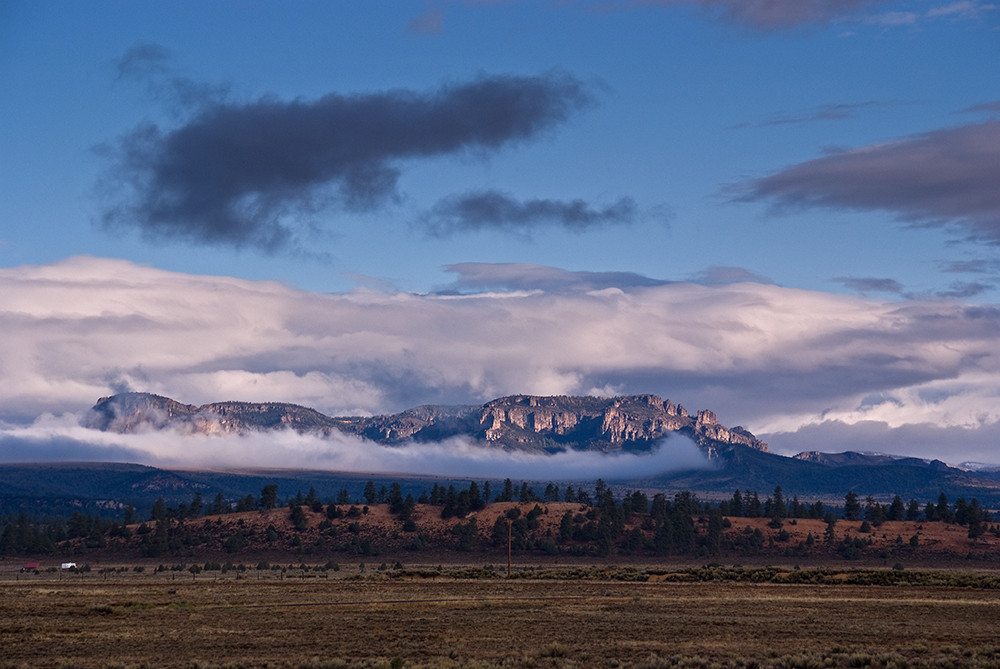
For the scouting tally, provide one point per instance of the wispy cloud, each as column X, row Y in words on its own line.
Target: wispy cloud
column 251, row 174
column 764, row 15
column 871, row 284
column 837, row 111
column 62, row 438
column 495, row 210
column 963, row 10
column 966, row 289
column 944, row 178
column 429, row 23
column 768, row 357
column 722, row 275
column 151, row 65
column 485, row 277
column 759, row 14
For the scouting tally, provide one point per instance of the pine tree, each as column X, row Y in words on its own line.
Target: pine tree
column 852, row 506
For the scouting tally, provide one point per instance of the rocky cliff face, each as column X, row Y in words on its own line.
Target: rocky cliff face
column 521, row 422
column 633, row 422
column 141, row 412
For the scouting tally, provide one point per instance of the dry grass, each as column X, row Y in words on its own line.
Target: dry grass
column 151, row 621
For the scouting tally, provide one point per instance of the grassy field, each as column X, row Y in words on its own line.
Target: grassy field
column 343, row 620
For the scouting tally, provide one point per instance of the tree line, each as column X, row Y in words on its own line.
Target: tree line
column 603, row 522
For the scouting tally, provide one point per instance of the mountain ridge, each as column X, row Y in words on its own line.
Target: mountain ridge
column 516, row 422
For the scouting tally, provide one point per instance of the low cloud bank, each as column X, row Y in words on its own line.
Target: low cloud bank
column 62, row 438
column 770, row 358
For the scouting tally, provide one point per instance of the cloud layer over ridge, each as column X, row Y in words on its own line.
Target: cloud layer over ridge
column 773, row 359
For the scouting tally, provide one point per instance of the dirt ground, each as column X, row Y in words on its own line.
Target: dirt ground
column 176, row 621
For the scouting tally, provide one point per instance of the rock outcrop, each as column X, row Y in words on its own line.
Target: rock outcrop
column 142, row 412
column 518, row 422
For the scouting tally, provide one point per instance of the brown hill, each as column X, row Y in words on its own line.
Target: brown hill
column 369, row 533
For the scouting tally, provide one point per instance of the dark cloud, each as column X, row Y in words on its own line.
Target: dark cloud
column 941, row 178
column 522, row 276
column 236, row 173
column 870, row 285
column 492, row 209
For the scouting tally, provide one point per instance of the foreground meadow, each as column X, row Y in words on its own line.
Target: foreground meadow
column 448, row 622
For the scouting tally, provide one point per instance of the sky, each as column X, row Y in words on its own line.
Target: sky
column 786, row 211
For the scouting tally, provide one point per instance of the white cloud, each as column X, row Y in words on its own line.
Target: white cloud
column 52, row 437
column 770, row 358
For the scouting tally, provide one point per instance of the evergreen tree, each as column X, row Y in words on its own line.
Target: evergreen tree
column 197, row 504
column 508, row 491
column 370, row 494
column 219, row 505
column 566, row 527
column 713, row 538
column 829, row 535
column 298, row 516
column 248, row 503
column 663, row 537
column 159, row 511
column 475, row 499
column 659, row 508
column 777, row 504
column 874, row 512
column 269, row 496
column 817, row 511
column 736, row 505
column 395, row 499
column 897, row 510
column 944, row 513
column 852, row 506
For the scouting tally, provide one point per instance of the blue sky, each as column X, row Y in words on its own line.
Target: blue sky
column 786, row 211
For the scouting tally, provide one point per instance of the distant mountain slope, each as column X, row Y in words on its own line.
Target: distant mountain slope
column 835, row 475
column 522, row 422
column 60, row 488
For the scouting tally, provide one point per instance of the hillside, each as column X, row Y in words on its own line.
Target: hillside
column 830, row 477
column 350, row 533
